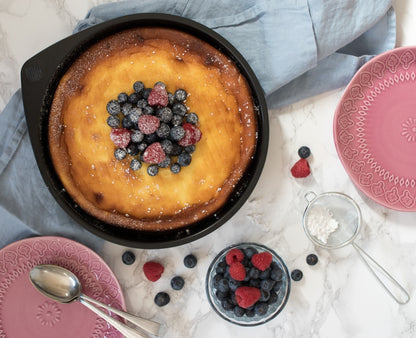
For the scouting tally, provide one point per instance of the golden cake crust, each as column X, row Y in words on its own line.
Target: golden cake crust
column 83, row 153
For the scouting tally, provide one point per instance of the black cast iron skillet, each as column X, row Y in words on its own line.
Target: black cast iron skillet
column 40, row 76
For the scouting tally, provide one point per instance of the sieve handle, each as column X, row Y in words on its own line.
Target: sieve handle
column 399, row 294
column 310, row 196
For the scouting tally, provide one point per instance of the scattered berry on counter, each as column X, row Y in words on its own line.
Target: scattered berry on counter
column 177, row 283
column 262, row 260
column 190, row 261
column 128, row 258
column 300, row 169
column 153, row 270
column 312, row 259
column 296, row 275
column 162, row 299
column 304, row 152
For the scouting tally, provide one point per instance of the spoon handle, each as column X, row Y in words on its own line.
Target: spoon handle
column 146, row 325
column 127, row 331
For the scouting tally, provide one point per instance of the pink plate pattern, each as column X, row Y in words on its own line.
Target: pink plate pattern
column 375, row 129
column 25, row 312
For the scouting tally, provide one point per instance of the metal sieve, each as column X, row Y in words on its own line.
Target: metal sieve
column 332, row 220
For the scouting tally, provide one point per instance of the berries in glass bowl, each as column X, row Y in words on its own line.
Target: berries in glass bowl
column 247, row 284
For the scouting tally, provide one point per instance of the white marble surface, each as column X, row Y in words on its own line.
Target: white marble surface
column 336, row 298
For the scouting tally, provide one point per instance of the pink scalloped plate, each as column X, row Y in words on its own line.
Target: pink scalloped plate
column 25, row 312
column 375, row 129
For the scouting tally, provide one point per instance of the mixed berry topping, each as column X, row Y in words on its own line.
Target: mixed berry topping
column 153, row 126
column 247, row 282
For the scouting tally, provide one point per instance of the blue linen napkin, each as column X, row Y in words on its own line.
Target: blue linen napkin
column 297, row 48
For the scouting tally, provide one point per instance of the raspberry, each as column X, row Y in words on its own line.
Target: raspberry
column 120, row 137
column 301, row 169
column 148, row 124
column 153, row 270
column 154, row 153
column 234, row 255
column 192, row 135
column 158, row 96
column 262, row 260
column 247, row 296
column 237, row 271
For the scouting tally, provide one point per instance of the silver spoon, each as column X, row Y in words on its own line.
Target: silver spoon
column 63, row 286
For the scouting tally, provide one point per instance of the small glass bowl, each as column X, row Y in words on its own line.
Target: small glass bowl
column 273, row 309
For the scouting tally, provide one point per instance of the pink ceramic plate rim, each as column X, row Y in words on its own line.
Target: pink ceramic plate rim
column 26, row 312
column 381, row 98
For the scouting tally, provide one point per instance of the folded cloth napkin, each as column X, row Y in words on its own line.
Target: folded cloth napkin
column 297, row 48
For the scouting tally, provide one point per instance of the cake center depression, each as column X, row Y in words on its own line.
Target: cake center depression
column 151, row 128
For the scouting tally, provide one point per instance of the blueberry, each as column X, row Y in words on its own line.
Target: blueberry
column 177, row 133
column 273, row 298
column 276, row 274
column 138, row 86
column 128, row 257
column 151, row 138
column 190, row 261
column 132, row 149
column 184, row 159
column 142, row 146
column 135, row 164
column 220, row 267
column 179, row 109
column 148, row 110
column 134, row 114
column 176, row 149
column 312, row 259
column 255, row 283
column 171, row 99
column 221, row 295
column 163, row 130
column 296, row 275
column 160, row 83
column 265, row 274
column 126, row 123
column 122, row 98
column 190, row 149
column 165, row 163
column 162, row 299
column 267, row 284
column 153, row 170
column 126, row 108
column 216, row 279
column 261, row 309
column 254, row 273
column 227, row 305
column 233, row 284
column 137, row 136
column 175, row 168
column 134, row 98
column 120, row 153
column 113, row 121
column 264, row 295
column 250, row 313
column 164, row 114
column 239, row 311
column 177, row 283
column 277, row 286
column 177, row 120
column 180, row 95
column 146, row 93
column 191, row 118
column 142, row 103
column 223, row 285
column 304, row 152
column 113, row 107
column 167, row 146
column 250, row 252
